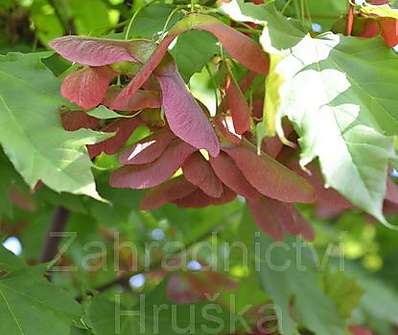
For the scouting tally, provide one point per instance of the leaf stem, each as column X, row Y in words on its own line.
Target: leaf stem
column 172, row 13
column 130, row 25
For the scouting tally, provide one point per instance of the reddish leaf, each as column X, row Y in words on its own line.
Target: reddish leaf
column 155, row 173
column 142, row 99
column 148, row 149
column 186, row 119
column 225, row 169
column 123, row 128
column 98, row 51
column 276, row 218
column 72, row 121
column 269, row 177
column 389, row 31
column 238, row 106
column 167, row 192
column 87, row 87
column 199, row 172
column 199, row 199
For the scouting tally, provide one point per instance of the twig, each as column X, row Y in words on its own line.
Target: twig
column 350, row 19
column 58, row 224
column 68, row 25
column 124, row 278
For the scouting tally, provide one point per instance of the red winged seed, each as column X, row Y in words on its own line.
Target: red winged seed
column 92, row 51
column 155, row 173
column 225, row 169
column 329, row 203
column 273, row 146
column 392, row 191
column 237, row 104
column 87, row 87
column 199, row 199
column 148, row 149
column 276, row 218
column 167, row 192
column 298, row 225
column 143, row 74
column 389, row 31
column 123, row 128
column 239, row 46
column 371, row 29
column 225, row 131
column 270, row 177
column 186, row 119
column 72, row 121
column 266, row 218
column 199, row 172
column 142, row 99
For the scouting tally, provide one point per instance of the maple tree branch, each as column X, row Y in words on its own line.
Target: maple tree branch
column 58, row 224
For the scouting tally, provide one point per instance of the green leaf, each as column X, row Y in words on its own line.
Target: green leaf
column 30, row 129
column 9, row 262
column 151, row 20
column 104, row 113
column 326, row 12
column 154, row 313
column 380, row 301
column 29, row 304
column 7, row 177
column 47, row 24
column 56, row 64
column 242, row 11
column 344, row 291
column 289, row 275
column 90, row 17
column 338, row 92
column 192, row 51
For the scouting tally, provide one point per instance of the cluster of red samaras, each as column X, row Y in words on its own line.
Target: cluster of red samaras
column 233, row 166
column 386, row 27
